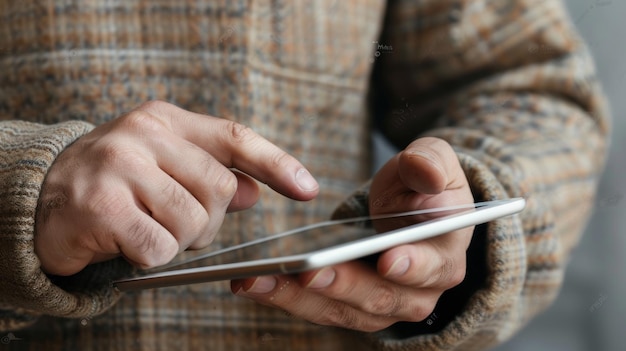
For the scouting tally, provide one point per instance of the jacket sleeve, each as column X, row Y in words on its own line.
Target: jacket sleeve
column 510, row 85
column 26, row 152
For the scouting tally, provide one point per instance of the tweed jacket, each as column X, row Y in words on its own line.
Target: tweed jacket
column 508, row 83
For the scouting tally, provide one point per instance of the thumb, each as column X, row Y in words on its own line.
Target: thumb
column 428, row 166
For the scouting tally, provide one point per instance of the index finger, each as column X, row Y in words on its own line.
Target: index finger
column 234, row 145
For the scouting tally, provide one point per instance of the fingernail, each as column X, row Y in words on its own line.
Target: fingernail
column 262, row 285
column 399, row 267
column 236, row 287
column 322, row 279
column 305, row 180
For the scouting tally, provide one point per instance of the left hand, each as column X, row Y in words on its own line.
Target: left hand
column 407, row 280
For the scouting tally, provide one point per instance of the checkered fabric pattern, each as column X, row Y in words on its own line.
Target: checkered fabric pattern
column 507, row 82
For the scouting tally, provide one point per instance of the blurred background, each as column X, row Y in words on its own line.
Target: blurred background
column 590, row 312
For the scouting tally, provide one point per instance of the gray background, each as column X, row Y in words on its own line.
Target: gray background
column 590, row 312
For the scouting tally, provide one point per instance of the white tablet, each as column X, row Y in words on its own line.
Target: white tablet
column 323, row 244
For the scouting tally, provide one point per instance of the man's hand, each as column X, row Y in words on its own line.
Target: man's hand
column 407, row 280
column 153, row 183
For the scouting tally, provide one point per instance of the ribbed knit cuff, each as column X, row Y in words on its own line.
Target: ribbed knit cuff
column 27, row 152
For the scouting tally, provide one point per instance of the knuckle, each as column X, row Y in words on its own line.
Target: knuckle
column 226, row 185
column 201, row 222
column 420, row 308
column 120, row 157
column 239, row 132
column 279, row 159
column 153, row 105
column 384, row 301
column 110, row 153
column 178, row 196
column 202, row 242
column 204, row 236
column 143, row 239
column 423, row 310
column 205, row 166
column 142, row 122
column 185, row 204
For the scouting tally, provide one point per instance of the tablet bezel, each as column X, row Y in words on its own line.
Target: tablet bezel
column 325, row 256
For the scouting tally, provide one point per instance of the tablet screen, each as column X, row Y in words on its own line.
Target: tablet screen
column 321, row 244
column 319, row 236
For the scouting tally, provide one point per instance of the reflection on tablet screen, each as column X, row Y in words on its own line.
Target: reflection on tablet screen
column 318, row 236
column 321, row 244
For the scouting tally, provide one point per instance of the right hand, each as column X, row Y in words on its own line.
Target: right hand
column 152, row 183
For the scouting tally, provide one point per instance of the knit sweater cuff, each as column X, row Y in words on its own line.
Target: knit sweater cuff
column 495, row 277
column 25, row 290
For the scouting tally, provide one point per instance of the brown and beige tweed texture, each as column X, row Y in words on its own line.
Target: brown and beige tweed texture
column 507, row 82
